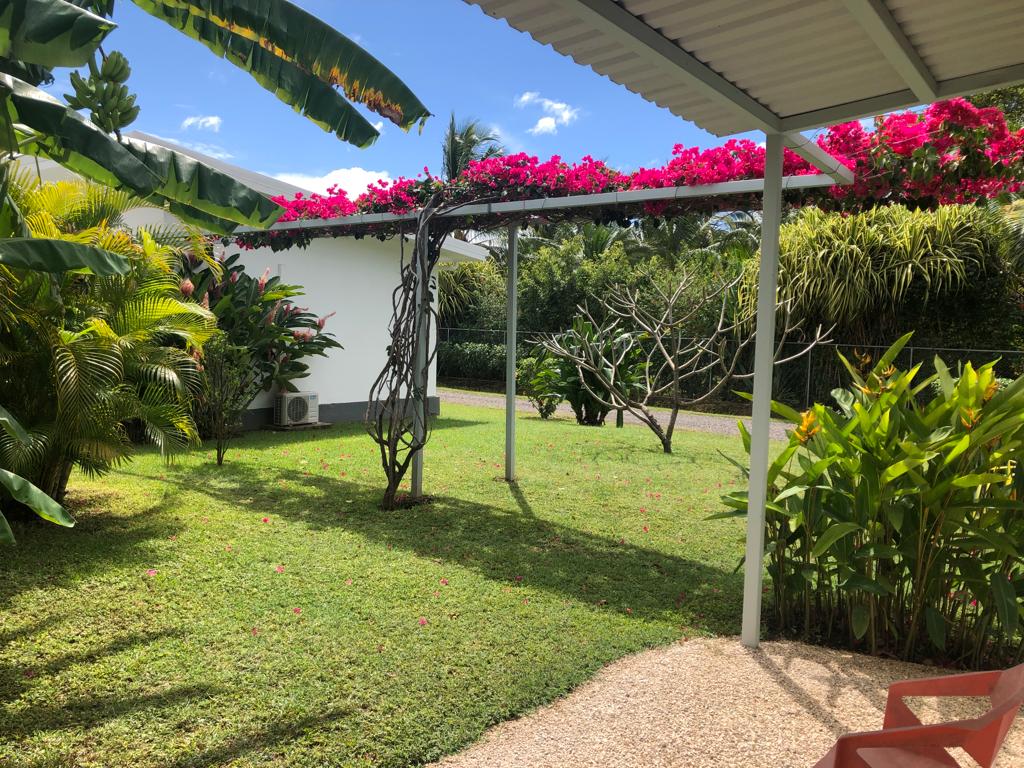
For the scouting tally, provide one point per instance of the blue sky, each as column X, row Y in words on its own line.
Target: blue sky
column 453, row 57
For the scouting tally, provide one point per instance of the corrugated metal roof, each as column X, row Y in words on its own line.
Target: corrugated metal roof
column 801, row 60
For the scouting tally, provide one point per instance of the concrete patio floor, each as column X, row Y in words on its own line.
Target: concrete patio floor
column 711, row 702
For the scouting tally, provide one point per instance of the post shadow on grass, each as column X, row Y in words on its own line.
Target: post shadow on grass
column 500, row 544
column 48, row 556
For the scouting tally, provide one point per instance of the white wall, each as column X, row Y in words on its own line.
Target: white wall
column 354, row 278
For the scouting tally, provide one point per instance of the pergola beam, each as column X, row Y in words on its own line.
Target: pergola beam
column 886, row 33
column 541, row 205
column 650, row 45
column 877, row 105
column 819, row 158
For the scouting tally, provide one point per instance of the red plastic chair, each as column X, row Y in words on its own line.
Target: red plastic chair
column 904, row 742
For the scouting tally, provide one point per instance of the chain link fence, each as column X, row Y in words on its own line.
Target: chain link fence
column 799, row 383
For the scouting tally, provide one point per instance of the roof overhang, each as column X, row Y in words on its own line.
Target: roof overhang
column 780, row 66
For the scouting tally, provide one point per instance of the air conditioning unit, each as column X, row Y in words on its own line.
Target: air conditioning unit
column 294, row 408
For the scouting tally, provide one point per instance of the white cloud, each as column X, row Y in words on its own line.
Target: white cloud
column 379, row 126
column 353, row 180
column 556, row 113
column 215, row 151
column 202, row 123
column 544, row 125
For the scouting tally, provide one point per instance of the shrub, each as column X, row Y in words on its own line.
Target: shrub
column 536, row 377
column 230, row 382
column 471, row 360
column 894, row 520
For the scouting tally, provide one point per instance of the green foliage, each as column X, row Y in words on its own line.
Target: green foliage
column 861, row 272
column 259, row 314
column 104, row 93
column 584, row 392
column 465, row 142
column 230, row 382
column 537, row 378
column 471, row 360
column 894, row 521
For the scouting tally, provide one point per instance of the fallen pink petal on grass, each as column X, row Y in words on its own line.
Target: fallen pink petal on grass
column 152, row 572
column 444, row 582
column 280, row 569
column 266, row 519
column 296, row 610
column 423, row 621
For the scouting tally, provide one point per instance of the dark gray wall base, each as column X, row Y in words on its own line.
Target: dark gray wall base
column 334, row 413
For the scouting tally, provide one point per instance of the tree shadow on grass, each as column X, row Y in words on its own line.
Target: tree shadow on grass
column 505, row 544
column 48, row 556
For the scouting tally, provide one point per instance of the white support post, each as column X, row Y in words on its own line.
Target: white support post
column 419, row 379
column 511, row 336
column 764, row 363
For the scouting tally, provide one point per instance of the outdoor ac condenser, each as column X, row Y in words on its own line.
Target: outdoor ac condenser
column 292, row 408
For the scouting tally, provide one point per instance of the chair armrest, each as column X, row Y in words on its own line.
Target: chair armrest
column 936, row 736
column 898, row 714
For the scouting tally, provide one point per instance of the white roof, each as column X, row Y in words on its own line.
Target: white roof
column 782, row 65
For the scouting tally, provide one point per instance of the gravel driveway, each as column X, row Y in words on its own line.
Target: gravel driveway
column 693, row 422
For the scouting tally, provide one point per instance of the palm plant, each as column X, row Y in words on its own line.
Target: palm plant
column 86, row 354
column 465, row 142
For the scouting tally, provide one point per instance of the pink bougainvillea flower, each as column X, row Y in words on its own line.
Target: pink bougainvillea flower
column 266, row 519
column 279, row 569
column 348, row 582
column 151, row 572
column 647, row 528
column 444, row 582
column 518, row 579
column 423, row 621
column 296, row 610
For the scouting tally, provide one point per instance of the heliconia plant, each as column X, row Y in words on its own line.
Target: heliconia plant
column 894, row 519
column 952, row 152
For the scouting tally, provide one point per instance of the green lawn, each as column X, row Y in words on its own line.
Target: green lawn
column 268, row 613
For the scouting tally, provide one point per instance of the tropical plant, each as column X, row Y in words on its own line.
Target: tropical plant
column 464, row 143
column 894, row 519
column 260, row 315
column 287, row 50
column 90, row 352
column 537, row 378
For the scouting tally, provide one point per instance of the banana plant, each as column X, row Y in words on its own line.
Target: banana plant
column 310, row 66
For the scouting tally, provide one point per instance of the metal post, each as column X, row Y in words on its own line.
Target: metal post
column 764, row 351
column 419, row 380
column 511, row 318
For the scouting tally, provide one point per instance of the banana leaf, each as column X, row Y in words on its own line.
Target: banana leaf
column 23, row 491
column 202, row 194
column 43, row 255
column 319, row 52
column 51, row 33
column 49, row 128
column 10, row 425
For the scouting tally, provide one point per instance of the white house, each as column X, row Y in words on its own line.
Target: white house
column 353, row 278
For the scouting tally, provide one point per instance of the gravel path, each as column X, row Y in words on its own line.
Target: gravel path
column 711, row 702
column 694, row 422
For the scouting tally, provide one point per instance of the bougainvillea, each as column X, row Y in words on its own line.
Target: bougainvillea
column 951, row 152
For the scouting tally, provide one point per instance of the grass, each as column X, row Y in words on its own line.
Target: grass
column 174, row 627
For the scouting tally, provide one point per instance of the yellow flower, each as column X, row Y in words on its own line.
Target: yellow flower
column 808, row 427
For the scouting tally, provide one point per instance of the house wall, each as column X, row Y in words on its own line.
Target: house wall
column 354, row 278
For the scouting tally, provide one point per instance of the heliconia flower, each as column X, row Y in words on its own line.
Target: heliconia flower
column 323, row 320
column 262, row 282
column 187, row 288
column 206, row 301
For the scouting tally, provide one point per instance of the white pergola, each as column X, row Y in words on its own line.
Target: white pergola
column 780, row 67
column 731, row 66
